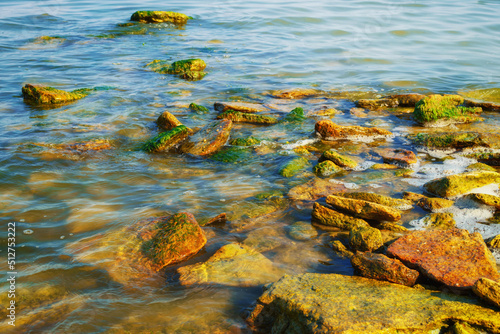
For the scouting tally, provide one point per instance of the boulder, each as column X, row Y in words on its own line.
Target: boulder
column 382, row 268
column 240, row 106
column 314, row 189
column 441, row 110
column 167, row 121
column 243, row 117
column 231, row 265
column 208, row 139
column 488, row 290
column 293, row 167
column 455, row 185
column 365, row 239
column 167, row 140
column 45, row 95
column 331, row 303
column 398, row 156
column 364, row 209
column 338, row 159
column 189, row 69
column 329, row 217
column 328, row 130
column 326, row 168
column 156, row 16
column 452, row 257
column 400, row 204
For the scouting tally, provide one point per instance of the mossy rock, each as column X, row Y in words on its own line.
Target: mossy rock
column 400, row 204
column 365, row 239
column 155, row 16
column 166, row 140
column 294, row 116
column 456, row 140
column 250, row 209
column 479, row 166
column 405, row 172
column 433, row 108
column 189, row 69
column 327, row 168
column 43, row 95
column 364, row 209
column 248, row 141
column 209, row 139
column 167, row 121
column 293, row 167
column 231, row 155
column 326, row 216
column 302, row 231
column 242, row 117
column 434, row 204
column 486, row 199
column 459, row 184
column 338, row 159
column 198, row 108
column 441, row 221
column 383, row 167
column 491, row 159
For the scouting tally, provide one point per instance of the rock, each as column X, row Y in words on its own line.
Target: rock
column 231, row 265
column 208, row 139
column 412, row 197
column 219, row 219
column 338, row 159
column 486, row 199
column 167, row 140
column 167, row 121
column 434, row 204
column 249, row 141
column 240, row 106
column 365, row 239
column 400, row 204
column 407, row 100
column 452, row 257
column 265, row 239
column 441, row 221
column 294, row 116
column 364, row 209
column 302, row 231
column 441, row 110
column 295, row 93
column 488, row 290
column 495, row 242
column 456, row 140
column 358, row 112
column 241, row 117
column 459, row 184
column 314, row 189
column 486, row 106
column 340, row 249
column 331, row 303
column 327, row 168
column 154, row 16
column 376, row 104
column 293, row 167
column 479, row 166
column 391, row 227
column 329, row 217
column 398, row 156
column 405, row 172
column 323, row 111
column 491, row 159
column 198, row 108
column 231, row 155
column 382, row 268
column 44, row 95
column 87, row 146
column 189, row 69
column 463, row 328
column 383, row 167
column 328, row 130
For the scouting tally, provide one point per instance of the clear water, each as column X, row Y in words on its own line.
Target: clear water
column 250, row 48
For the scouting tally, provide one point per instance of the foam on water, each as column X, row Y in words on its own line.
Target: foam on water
column 348, row 185
column 299, row 143
column 364, row 166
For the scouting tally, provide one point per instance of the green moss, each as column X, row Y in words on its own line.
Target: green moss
column 449, row 140
column 189, row 69
column 480, row 166
column 454, row 185
column 338, row 159
column 326, row 168
column 269, row 194
column 293, row 167
column 404, row 172
column 37, row 94
column 400, row 204
column 249, row 141
column 295, row 116
column 434, row 107
column 492, row 159
column 442, row 221
column 231, row 155
column 198, row 108
column 153, row 16
column 166, row 140
column 237, row 116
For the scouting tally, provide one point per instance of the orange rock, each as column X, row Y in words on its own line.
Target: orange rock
column 209, row 139
column 331, row 131
column 399, row 156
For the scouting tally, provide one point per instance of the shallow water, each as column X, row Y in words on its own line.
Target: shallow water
column 250, row 48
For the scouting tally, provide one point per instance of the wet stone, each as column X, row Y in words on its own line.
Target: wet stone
column 302, row 231
column 241, row 117
column 154, row 16
column 323, row 215
column 364, row 209
column 488, row 290
column 441, row 110
column 441, row 221
column 293, row 167
column 338, row 159
column 459, row 184
column 167, row 121
column 365, row 239
column 314, row 189
column 400, row 204
column 328, row 130
column 45, row 95
column 398, row 156
column 326, row 168
column 245, row 107
column 434, row 204
column 208, row 139
column 486, row 199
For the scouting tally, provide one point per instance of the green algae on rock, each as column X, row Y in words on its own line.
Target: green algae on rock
column 365, row 239
column 486, row 199
column 338, row 159
column 400, row 204
column 440, row 221
column 479, row 166
column 488, row 290
column 167, row 140
column 208, row 139
column 456, row 140
column 246, row 107
column 302, row 231
column 231, row 155
column 42, row 95
column 405, row 172
column 293, row 167
column 459, row 184
column 383, row 166
column 294, row 116
column 434, row 203
column 439, row 110
column 331, row 303
column 327, row 168
column 314, row 189
column 248, row 141
column 189, row 69
column 156, row 16
column 323, row 215
column 198, row 108
column 364, row 209
column 167, row 121
column 328, row 130
column 241, row 117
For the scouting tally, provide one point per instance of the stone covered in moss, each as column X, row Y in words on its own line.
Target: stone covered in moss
column 405, row 172
column 459, row 184
column 331, row 303
column 365, row 239
column 440, row 221
column 314, row 189
column 328, row 130
column 389, row 226
column 326, row 216
column 488, row 290
column 295, row 93
column 495, row 242
column 383, row 166
column 340, row 249
column 457, row 140
column 491, row 159
column 294, row 116
column 208, row 139
column 231, row 155
column 302, row 231
column 479, row 166
column 486, row 199
column 327, row 168
column 167, row 121
column 166, row 140
column 434, row 204
column 247, row 107
column 156, row 16
column 434, row 108
column 400, row 204
column 338, row 159
column 189, row 69
column 237, row 116
column 42, row 95
column 293, row 167
column 248, row 141
column 198, row 108
column 364, row 209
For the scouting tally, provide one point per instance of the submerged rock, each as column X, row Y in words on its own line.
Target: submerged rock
column 488, row 290
column 189, row 69
column 302, row 231
column 156, row 16
column 167, row 140
column 208, row 139
column 398, row 156
column 340, row 249
column 248, row 141
column 240, row 106
column 382, row 268
column 459, row 184
column 364, row 209
column 456, row 140
column 327, row 168
column 323, row 215
column 243, row 117
column 42, row 95
column 365, row 239
column 294, row 166
column 231, row 265
column 198, row 108
column 486, row 106
column 400, row 204
column 441, row 110
column 407, row 100
column 167, row 121
column 295, row 93
column 294, row 116
column 314, row 189
column 338, row 159
column 328, row 130
column 331, row 303
column 452, row 257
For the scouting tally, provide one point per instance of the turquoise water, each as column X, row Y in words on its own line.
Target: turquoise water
column 250, row 48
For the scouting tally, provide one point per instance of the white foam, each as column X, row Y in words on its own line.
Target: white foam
column 364, row 166
column 299, row 143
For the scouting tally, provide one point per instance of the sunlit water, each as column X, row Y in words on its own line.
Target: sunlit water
column 250, row 48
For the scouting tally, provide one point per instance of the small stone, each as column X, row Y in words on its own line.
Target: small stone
column 440, row 221
column 249, row 141
column 328, row 130
column 407, row 100
column 302, row 231
column 167, row 121
column 189, row 69
column 294, row 116
column 45, row 95
column 338, row 159
column 166, row 140
column 412, row 197
column 327, row 168
column 198, row 108
column 391, row 227
column 365, row 239
column 459, row 184
column 219, row 219
column 405, row 172
column 364, row 209
column 329, row 217
column 295, row 93
column 358, row 112
column 314, row 189
column 383, row 166
column 488, row 290
column 245, row 107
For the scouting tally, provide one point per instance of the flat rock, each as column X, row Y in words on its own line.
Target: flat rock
column 232, row 265
column 240, row 106
column 45, row 95
column 364, row 209
column 398, row 156
column 331, row 303
column 295, row 93
column 382, row 268
column 488, row 290
column 326, row 216
column 328, row 130
column 315, row 189
column 167, row 121
column 459, row 184
column 245, row 117
column 338, row 159
column 400, row 204
column 156, row 16
column 452, row 257
column 208, row 139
